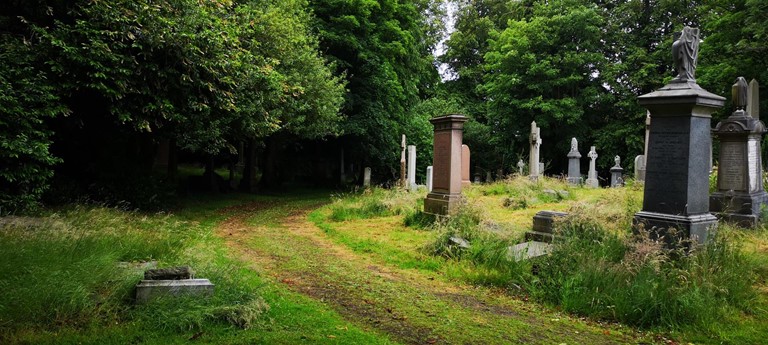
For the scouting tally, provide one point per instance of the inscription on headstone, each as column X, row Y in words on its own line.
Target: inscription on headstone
column 732, row 166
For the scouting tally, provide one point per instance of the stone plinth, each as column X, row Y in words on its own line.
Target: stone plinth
column 465, row 166
column 676, row 191
column 542, row 226
column 740, row 193
column 446, row 162
column 146, row 290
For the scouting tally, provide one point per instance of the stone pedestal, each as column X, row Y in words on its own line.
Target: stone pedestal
column 740, row 193
column 446, row 182
column 676, row 191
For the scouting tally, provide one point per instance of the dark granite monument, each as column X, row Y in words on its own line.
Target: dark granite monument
column 446, row 163
column 676, row 193
column 740, row 192
column 574, row 164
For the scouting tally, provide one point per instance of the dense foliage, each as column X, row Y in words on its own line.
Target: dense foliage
column 576, row 67
column 385, row 50
column 109, row 80
column 206, row 74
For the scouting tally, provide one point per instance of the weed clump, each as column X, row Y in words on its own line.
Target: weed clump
column 642, row 282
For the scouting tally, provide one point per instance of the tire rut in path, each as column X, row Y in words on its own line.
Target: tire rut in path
column 336, row 275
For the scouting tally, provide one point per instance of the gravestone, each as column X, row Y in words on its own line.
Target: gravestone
column 367, row 177
column 520, row 167
column 541, row 168
column 429, row 178
column 412, row 167
column 477, row 178
column 753, row 99
column 446, row 190
column 616, row 171
column 740, row 194
column 640, row 172
column 640, row 168
column 465, row 166
column 535, row 141
column 676, row 191
column 592, row 173
column 488, row 177
column 543, row 226
column 402, row 163
column 574, row 164
column 499, row 174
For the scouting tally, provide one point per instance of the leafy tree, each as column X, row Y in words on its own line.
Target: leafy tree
column 206, row 74
column 384, row 49
column 546, row 68
column 26, row 102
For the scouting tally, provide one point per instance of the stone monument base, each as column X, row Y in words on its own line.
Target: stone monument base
column 740, row 208
column 699, row 227
column 543, row 223
column 441, row 204
column 147, row 290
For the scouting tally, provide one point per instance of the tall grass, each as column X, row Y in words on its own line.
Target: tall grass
column 522, row 192
column 64, row 270
column 376, row 202
column 611, row 275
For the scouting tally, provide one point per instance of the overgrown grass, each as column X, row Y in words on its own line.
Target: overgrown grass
column 63, row 269
column 377, row 202
column 520, row 192
column 69, row 277
column 611, row 274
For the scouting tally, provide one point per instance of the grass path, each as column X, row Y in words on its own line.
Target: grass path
column 277, row 240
